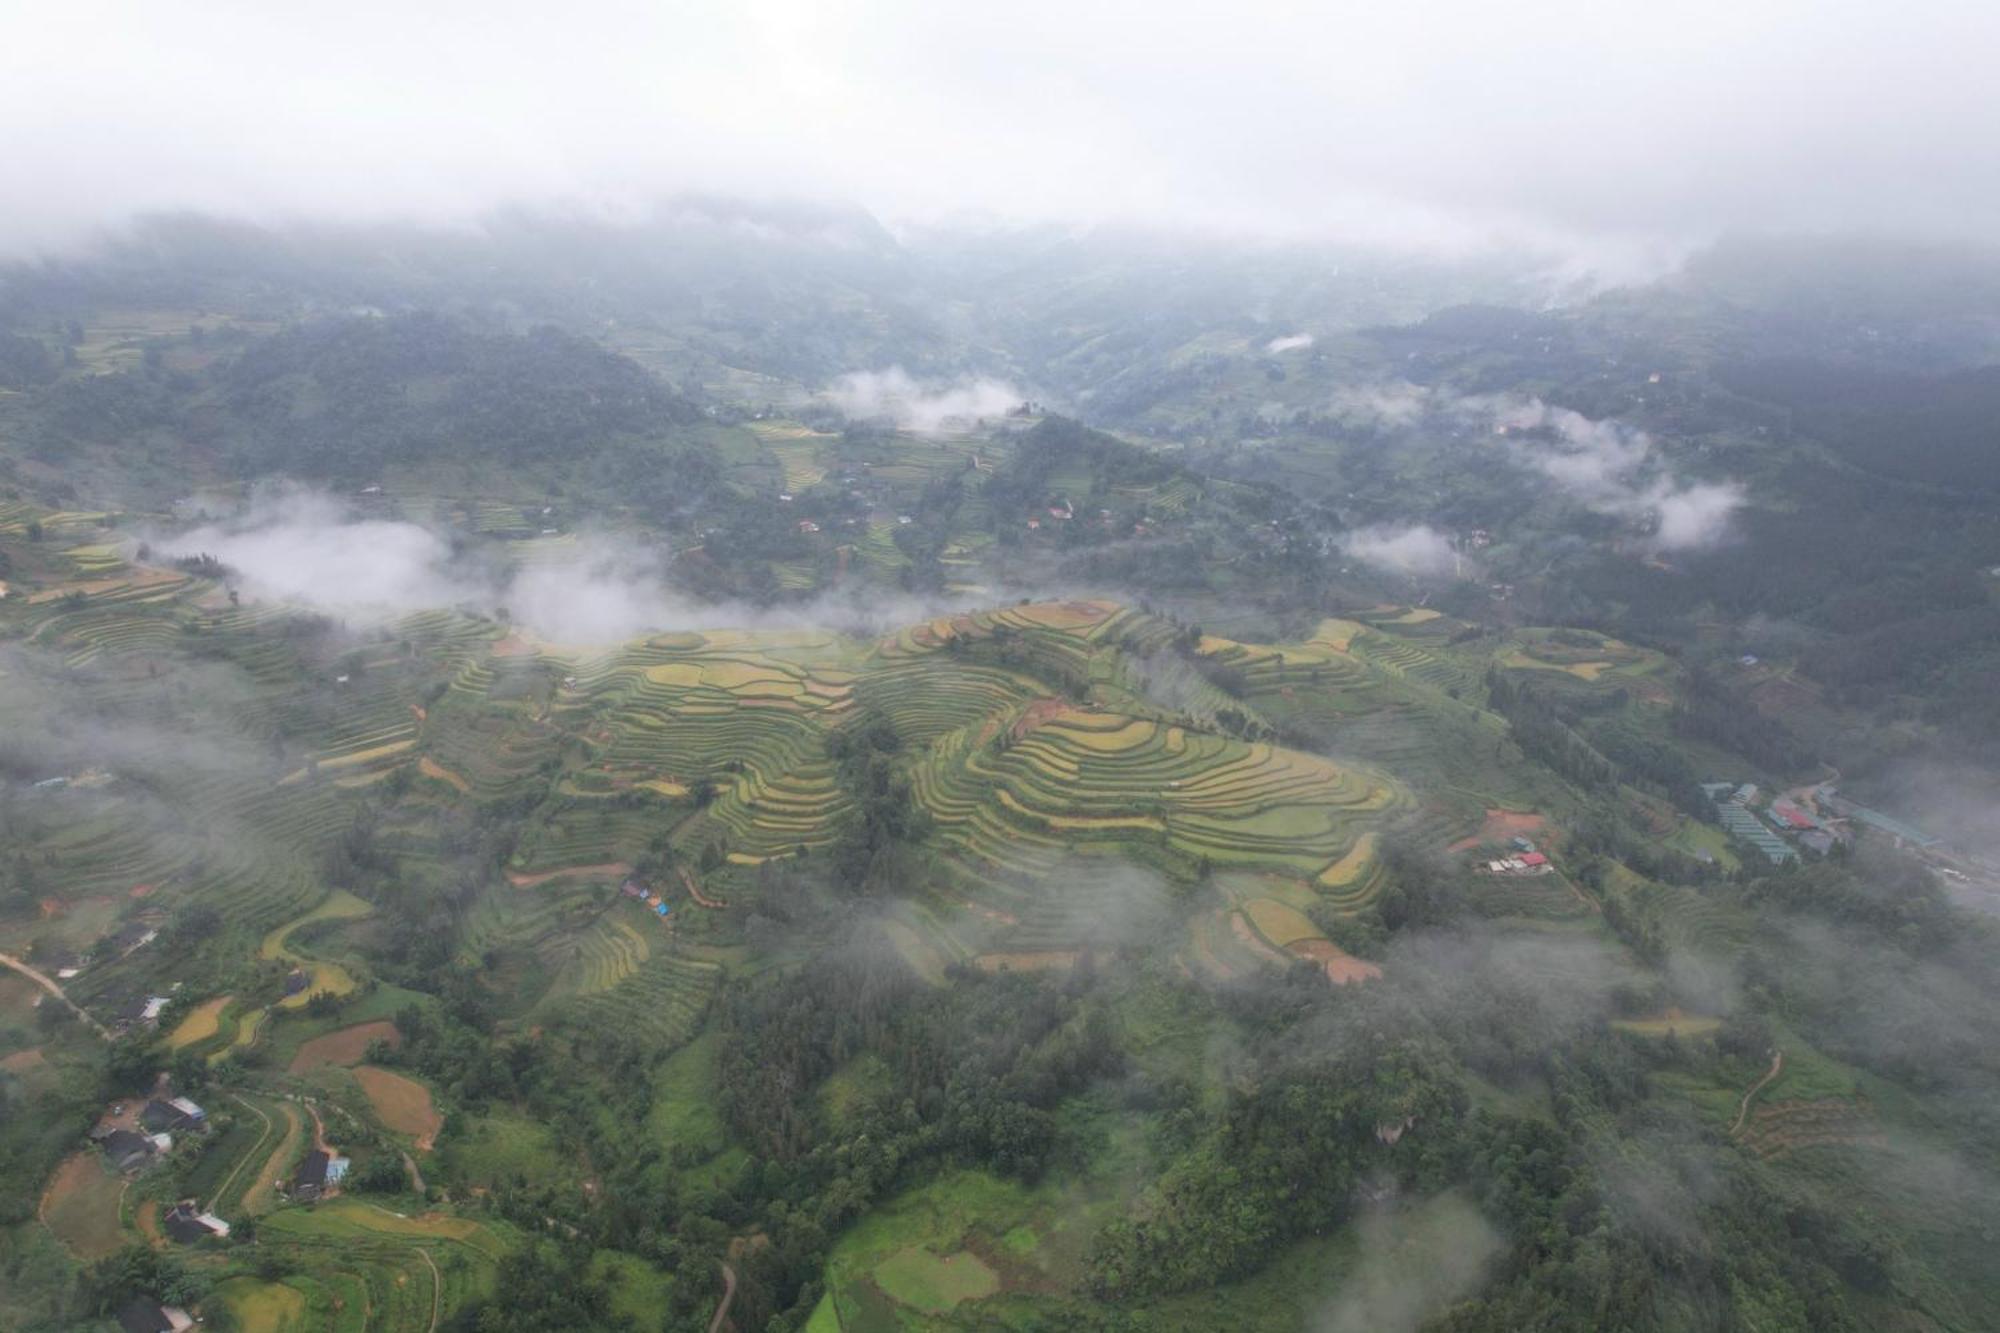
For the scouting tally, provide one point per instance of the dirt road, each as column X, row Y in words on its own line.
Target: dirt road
column 728, row 1295
column 48, row 984
column 1777, row 1066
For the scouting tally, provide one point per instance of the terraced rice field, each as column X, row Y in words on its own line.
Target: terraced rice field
column 662, row 1001
column 406, row 1272
column 603, row 954
column 1775, row 1129
column 1105, row 780
column 288, row 1139
column 1268, row 920
column 202, row 1023
column 263, row 1307
column 326, row 977
column 1671, row 1022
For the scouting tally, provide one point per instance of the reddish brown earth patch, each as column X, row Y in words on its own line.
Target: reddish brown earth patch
column 20, row 1062
column 347, row 1047
column 1502, row 825
column 1341, row 967
column 1782, row 1127
column 403, row 1104
column 605, row 869
column 1043, row 960
column 694, row 891
column 1035, row 714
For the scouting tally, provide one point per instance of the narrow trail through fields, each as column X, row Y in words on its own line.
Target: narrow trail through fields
column 603, row 869
column 437, row 1287
column 264, row 1186
column 1777, row 1066
column 48, row 984
column 728, row 1295
column 222, row 1191
column 694, row 891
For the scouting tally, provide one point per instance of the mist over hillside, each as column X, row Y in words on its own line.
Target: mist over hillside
column 857, row 667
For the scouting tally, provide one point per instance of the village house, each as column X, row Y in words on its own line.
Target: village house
column 140, row 1315
column 186, row 1223
column 128, row 1151
column 318, row 1173
column 175, row 1113
column 140, row 1011
column 133, row 935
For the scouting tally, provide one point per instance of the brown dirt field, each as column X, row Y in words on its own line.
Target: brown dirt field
column 694, row 891
column 1036, row 713
column 1501, row 825
column 20, row 1062
column 606, row 869
column 1659, row 822
column 512, row 646
column 1247, row 933
column 81, row 1206
column 1782, row 1127
column 1042, row 961
column 431, row 768
column 1341, row 967
column 139, row 578
column 403, row 1104
column 147, row 1218
column 263, row 1191
column 1673, row 1019
column 347, row 1047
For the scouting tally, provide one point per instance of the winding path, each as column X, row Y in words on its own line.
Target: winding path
column 437, row 1288
column 222, row 1190
column 694, row 891
column 43, row 980
column 728, row 1295
column 1777, row 1066
column 416, row 1176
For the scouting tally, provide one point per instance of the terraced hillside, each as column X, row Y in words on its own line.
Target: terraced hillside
column 1082, row 778
column 1030, row 734
column 304, row 825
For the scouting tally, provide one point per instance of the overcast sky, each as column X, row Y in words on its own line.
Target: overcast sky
column 1439, row 122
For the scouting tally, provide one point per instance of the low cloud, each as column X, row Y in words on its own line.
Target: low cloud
column 926, row 408
column 1414, row 549
column 1394, row 405
column 1290, row 342
column 1413, row 1264
column 1610, row 466
column 1614, row 468
column 304, row 548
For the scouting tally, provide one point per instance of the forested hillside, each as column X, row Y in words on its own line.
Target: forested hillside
column 542, row 788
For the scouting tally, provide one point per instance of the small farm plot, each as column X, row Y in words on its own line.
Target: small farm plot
column 202, row 1023
column 345, row 1048
column 408, row 1270
column 402, row 1104
column 263, row 1307
column 81, row 1205
column 325, row 977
